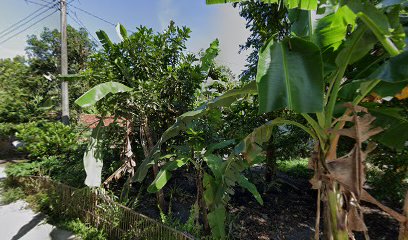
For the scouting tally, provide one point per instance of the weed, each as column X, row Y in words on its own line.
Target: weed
column 11, row 195
column 83, row 230
column 295, row 167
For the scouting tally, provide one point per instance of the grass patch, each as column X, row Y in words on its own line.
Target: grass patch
column 10, row 195
column 82, row 230
column 295, row 167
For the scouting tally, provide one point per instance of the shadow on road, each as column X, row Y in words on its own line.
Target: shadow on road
column 29, row 226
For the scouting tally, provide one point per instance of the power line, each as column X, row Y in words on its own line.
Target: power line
column 40, row 4
column 70, row 3
column 23, row 22
column 5, row 30
column 93, row 15
column 28, row 27
column 80, row 23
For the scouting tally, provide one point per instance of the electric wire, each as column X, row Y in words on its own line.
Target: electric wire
column 29, row 15
column 28, row 27
column 75, row 18
column 23, row 22
column 93, row 15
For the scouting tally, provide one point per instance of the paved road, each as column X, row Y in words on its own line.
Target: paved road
column 17, row 221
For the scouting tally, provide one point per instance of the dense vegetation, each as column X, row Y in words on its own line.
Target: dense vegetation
column 178, row 138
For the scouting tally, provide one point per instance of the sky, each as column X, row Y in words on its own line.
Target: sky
column 207, row 22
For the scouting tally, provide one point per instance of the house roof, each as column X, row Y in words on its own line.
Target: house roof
column 91, row 120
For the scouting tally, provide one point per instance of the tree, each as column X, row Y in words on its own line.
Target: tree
column 310, row 70
column 267, row 21
column 264, row 21
column 44, row 50
column 24, row 96
column 161, row 80
column 44, row 58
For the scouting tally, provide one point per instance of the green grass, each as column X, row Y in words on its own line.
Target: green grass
column 295, row 167
column 10, row 195
column 82, row 230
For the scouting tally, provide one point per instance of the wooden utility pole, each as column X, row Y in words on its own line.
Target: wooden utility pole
column 64, row 64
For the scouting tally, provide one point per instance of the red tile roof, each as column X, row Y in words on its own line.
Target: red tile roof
column 91, row 120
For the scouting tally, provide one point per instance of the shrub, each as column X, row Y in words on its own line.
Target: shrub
column 388, row 174
column 11, row 195
column 84, row 231
column 7, row 129
column 45, row 139
column 23, row 169
column 295, row 167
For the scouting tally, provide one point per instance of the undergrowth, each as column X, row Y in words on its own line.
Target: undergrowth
column 82, row 230
column 42, row 202
column 295, row 167
column 10, row 195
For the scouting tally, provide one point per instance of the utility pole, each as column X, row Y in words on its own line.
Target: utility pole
column 64, row 64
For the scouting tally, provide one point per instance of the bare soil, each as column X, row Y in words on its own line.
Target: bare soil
column 289, row 211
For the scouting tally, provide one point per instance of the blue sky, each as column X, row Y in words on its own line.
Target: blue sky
column 206, row 22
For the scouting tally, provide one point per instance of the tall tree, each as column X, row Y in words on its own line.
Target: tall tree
column 162, row 78
column 44, row 58
column 264, row 21
column 44, row 51
column 23, row 95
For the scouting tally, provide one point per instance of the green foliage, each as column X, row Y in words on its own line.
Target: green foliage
column 388, row 175
column 44, row 50
column 7, row 129
column 302, row 4
column 23, row 169
column 264, row 21
column 162, row 76
column 46, row 139
column 83, row 230
column 24, row 96
column 39, row 202
column 295, row 167
column 100, row 91
column 10, row 195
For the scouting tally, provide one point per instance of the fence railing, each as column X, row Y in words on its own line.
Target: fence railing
column 98, row 210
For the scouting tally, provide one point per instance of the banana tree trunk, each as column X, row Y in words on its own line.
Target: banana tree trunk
column 200, row 200
column 147, row 144
column 335, row 217
column 334, row 227
column 270, row 162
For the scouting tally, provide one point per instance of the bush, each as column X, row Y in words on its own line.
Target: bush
column 388, row 174
column 9, row 192
column 46, row 139
column 84, row 231
column 7, row 129
column 23, row 169
column 295, row 167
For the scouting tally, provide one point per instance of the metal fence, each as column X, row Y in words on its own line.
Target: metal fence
column 98, row 210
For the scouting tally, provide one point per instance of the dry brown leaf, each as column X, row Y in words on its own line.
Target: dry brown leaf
column 365, row 196
column 355, row 221
column 403, row 94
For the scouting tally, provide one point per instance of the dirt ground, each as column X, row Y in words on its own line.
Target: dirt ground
column 289, row 211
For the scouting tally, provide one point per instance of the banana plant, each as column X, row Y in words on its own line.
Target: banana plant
column 356, row 50
column 153, row 77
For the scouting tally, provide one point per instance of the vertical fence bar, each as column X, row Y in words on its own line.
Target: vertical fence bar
column 98, row 210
